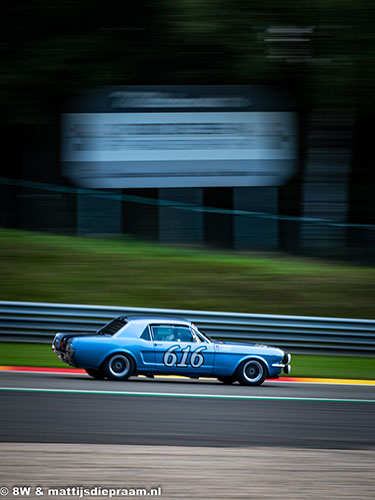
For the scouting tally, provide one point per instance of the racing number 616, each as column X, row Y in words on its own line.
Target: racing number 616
column 196, row 359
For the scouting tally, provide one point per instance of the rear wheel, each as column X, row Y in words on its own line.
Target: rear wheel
column 118, row 367
column 93, row 372
column 252, row 372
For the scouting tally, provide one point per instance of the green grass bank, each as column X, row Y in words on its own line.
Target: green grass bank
column 124, row 272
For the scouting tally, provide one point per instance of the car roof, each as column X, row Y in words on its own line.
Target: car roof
column 156, row 319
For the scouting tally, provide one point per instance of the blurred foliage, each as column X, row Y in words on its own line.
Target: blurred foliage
column 322, row 50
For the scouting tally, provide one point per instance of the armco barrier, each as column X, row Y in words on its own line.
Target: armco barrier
column 36, row 322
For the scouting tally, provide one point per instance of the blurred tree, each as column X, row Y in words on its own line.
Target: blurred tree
column 324, row 49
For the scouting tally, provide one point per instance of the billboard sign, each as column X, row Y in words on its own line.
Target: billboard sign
column 164, row 137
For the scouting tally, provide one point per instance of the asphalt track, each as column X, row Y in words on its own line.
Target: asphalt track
column 76, row 409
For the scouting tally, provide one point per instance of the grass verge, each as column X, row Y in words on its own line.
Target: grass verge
column 124, row 272
column 302, row 365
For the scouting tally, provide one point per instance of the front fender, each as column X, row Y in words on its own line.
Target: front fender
column 253, row 356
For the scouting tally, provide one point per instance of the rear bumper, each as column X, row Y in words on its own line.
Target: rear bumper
column 64, row 356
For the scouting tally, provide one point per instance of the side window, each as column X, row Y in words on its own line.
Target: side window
column 171, row 333
column 146, row 334
column 162, row 333
column 184, row 334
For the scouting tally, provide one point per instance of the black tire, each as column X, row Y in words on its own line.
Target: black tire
column 95, row 373
column 227, row 380
column 252, row 372
column 118, row 366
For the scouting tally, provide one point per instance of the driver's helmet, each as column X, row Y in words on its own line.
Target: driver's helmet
column 171, row 335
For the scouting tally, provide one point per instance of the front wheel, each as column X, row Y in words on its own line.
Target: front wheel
column 252, row 372
column 118, row 367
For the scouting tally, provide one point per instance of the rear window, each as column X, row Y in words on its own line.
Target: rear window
column 112, row 327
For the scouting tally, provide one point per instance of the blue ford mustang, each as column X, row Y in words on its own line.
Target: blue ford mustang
column 129, row 346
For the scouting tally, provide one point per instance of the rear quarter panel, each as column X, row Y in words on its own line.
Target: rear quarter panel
column 92, row 352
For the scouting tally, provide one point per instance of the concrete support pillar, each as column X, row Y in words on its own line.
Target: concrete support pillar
column 99, row 215
column 251, row 232
column 181, row 226
column 326, row 179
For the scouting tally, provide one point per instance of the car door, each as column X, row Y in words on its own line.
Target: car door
column 179, row 351
column 145, row 348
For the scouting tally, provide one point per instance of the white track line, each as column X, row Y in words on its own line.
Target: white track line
column 180, row 395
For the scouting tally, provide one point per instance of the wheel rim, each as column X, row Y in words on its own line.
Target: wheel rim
column 253, row 371
column 119, row 365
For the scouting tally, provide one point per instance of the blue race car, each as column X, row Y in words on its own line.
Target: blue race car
column 129, row 346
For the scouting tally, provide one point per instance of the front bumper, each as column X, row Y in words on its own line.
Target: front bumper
column 285, row 365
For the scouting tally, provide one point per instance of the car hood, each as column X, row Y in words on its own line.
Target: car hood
column 226, row 342
column 258, row 348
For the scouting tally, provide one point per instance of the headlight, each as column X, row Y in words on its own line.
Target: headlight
column 286, row 359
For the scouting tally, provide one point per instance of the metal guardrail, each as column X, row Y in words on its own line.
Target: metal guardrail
column 36, row 322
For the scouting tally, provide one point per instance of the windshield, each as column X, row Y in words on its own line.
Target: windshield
column 205, row 337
